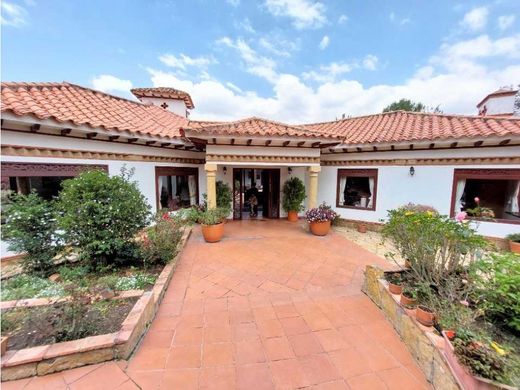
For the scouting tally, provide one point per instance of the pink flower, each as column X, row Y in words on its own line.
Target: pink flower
column 464, row 302
column 461, row 216
column 477, row 200
column 166, row 216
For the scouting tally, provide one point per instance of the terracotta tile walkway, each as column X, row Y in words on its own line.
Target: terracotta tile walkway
column 269, row 307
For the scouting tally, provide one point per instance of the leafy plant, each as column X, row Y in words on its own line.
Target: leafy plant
column 393, row 277
column 138, row 281
column 74, row 273
column 224, row 196
column 293, row 195
column 31, row 228
column 322, row 213
column 29, row 286
column 212, row 216
column 102, row 214
column 515, row 237
column 71, row 321
column 159, row 243
column 410, row 292
column 497, row 281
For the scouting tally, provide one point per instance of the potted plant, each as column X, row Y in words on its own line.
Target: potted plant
column 408, row 296
column 394, row 282
column 320, row 218
column 514, row 242
column 293, row 197
column 212, row 222
column 425, row 315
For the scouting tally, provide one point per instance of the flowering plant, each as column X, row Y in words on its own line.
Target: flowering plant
column 480, row 212
column 322, row 213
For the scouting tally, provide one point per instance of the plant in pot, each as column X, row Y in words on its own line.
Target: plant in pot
column 293, row 197
column 408, row 296
column 320, row 219
column 425, row 314
column 212, row 223
column 514, row 242
column 394, row 282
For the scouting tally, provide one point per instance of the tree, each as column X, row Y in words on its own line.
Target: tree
column 408, row 105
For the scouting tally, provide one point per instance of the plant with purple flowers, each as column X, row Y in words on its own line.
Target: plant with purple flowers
column 322, row 213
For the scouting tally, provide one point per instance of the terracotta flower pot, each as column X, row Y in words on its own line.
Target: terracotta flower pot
column 292, row 216
column 213, row 233
column 395, row 288
column 407, row 301
column 362, row 228
column 320, row 228
column 514, row 246
column 425, row 316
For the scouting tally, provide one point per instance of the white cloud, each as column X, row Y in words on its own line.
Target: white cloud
column 304, row 13
column 476, row 19
column 245, row 25
column 370, row 62
column 183, row 61
column 13, row 15
column 278, row 45
column 324, row 43
column 234, row 3
column 397, row 20
column 328, row 73
column 109, row 83
column 505, row 21
column 342, row 19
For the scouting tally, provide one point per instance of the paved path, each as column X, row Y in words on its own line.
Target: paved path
column 269, row 307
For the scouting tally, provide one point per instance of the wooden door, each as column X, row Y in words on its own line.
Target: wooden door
column 271, row 183
column 238, row 189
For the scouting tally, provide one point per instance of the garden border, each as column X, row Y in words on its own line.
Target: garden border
column 425, row 346
column 46, row 359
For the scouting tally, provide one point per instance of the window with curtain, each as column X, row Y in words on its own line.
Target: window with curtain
column 357, row 188
column 495, row 189
column 176, row 187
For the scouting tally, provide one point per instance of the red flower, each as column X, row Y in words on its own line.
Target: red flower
column 166, row 216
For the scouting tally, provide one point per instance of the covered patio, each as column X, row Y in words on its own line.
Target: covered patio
column 270, row 306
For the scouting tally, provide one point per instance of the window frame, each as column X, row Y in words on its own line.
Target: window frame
column 368, row 172
column 175, row 171
column 483, row 174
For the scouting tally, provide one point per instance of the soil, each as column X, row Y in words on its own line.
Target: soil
column 34, row 326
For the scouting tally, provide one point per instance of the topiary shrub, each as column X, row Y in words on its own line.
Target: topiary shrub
column 293, row 195
column 30, row 227
column 101, row 215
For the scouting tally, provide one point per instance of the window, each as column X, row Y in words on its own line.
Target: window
column 176, row 187
column 357, row 189
column 496, row 189
column 45, row 179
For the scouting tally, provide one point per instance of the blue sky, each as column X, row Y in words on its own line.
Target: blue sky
column 291, row 60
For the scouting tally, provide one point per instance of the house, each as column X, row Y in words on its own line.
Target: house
column 362, row 166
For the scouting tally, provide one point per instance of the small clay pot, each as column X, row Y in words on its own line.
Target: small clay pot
column 292, row 216
column 395, row 288
column 407, row 301
column 320, row 228
column 514, row 246
column 213, row 233
column 425, row 316
column 362, row 228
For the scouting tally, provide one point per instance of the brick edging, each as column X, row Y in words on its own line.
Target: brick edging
column 46, row 359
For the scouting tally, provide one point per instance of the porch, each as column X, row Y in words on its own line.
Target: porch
column 270, row 306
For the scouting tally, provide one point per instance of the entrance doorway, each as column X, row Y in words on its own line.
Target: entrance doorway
column 256, row 193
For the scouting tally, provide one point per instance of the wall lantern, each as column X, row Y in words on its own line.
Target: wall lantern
column 289, row 170
column 225, row 170
column 412, row 171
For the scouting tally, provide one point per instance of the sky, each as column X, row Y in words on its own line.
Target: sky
column 296, row 61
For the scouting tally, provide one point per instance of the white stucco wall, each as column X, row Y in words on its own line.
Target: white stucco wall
column 500, row 105
column 177, row 106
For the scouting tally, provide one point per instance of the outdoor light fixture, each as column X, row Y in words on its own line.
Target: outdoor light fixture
column 225, row 170
column 289, row 170
column 412, row 171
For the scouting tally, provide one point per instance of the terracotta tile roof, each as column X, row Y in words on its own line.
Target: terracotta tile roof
column 256, row 127
column 65, row 102
column 164, row 92
column 400, row 126
column 498, row 92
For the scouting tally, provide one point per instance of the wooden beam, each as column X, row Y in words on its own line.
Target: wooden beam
column 148, row 143
column 358, row 149
column 300, row 144
column 65, row 131
column 131, row 140
column 345, row 150
column 113, row 137
column 165, row 144
column 411, row 146
column 329, row 145
column 91, row 135
column 504, row 142
column 392, row 147
column 249, row 141
column 478, row 143
column 232, row 141
column 316, row 144
column 214, row 141
column 453, row 144
column 432, row 146
column 285, row 143
column 375, row 148
column 178, row 146
column 268, row 142
column 35, row 128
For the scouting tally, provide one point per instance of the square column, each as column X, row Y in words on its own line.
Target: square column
column 211, row 186
column 313, row 186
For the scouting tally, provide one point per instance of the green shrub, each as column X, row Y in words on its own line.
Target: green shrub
column 159, row 243
column 102, row 214
column 515, row 237
column 224, row 196
column 27, row 286
column 293, row 195
column 497, row 281
column 74, row 273
column 31, row 228
column 212, row 216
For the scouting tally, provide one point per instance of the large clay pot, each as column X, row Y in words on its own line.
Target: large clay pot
column 425, row 316
column 514, row 246
column 320, row 228
column 292, row 216
column 213, row 233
